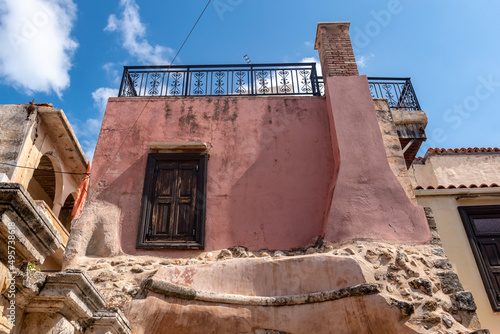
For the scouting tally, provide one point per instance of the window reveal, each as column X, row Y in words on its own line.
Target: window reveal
column 173, row 203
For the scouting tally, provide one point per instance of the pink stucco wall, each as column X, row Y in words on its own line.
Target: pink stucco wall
column 368, row 202
column 268, row 174
column 285, row 276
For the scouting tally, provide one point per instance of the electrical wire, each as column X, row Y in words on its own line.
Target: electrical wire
column 42, row 169
column 140, row 114
column 204, row 9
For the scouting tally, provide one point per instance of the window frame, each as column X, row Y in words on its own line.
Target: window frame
column 147, row 202
column 468, row 213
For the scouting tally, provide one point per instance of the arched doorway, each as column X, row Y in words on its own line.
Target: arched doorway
column 65, row 214
column 42, row 185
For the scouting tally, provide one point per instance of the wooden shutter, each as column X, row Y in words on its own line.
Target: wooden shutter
column 173, row 201
column 482, row 225
column 490, row 251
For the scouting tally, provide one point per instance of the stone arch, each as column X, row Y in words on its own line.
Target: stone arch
column 65, row 216
column 45, row 184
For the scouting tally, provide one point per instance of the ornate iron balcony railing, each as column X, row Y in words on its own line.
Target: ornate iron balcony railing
column 398, row 92
column 220, row 80
column 251, row 79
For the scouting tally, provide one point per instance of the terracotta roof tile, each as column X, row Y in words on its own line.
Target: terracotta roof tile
column 432, row 151
column 451, row 186
column 463, row 150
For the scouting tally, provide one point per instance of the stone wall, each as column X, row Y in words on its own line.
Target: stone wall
column 415, row 286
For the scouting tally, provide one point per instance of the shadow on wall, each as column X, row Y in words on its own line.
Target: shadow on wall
column 284, row 192
column 269, row 172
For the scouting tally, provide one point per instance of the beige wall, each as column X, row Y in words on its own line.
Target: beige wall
column 28, row 137
column 456, row 244
column 458, row 168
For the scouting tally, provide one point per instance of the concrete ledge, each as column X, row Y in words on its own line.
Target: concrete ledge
column 35, row 236
column 179, row 147
column 409, row 117
column 71, row 294
column 178, row 291
column 109, row 320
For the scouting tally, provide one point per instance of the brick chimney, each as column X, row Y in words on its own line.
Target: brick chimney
column 335, row 50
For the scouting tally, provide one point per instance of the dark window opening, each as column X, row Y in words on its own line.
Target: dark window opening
column 173, row 202
column 65, row 214
column 43, row 183
column 482, row 225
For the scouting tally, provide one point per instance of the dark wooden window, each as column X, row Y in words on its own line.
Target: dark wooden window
column 173, row 201
column 482, row 224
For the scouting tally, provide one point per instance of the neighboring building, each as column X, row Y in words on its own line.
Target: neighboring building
column 237, row 199
column 41, row 166
column 462, row 187
column 39, row 152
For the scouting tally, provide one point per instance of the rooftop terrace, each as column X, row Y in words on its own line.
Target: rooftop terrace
column 250, row 80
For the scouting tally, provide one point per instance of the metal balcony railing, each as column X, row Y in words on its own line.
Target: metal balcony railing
column 220, row 80
column 250, row 79
column 398, row 92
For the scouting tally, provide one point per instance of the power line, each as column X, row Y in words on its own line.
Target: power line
column 142, row 111
column 42, row 169
column 204, row 9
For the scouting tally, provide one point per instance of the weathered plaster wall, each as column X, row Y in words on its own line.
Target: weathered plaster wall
column 368, row 201
column 28, row 132
column 392, row 146
column 457, row 246
column 458, row 168
column 270, row 160
column 14, row 128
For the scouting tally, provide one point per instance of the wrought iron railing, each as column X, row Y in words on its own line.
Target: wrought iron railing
column 251, row 79
column 218, row 80
column 398, row 92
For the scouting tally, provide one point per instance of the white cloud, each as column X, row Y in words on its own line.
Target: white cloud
column 112, row 73
column 88, row 130
column 87, row 133
column 89, row 148
column 362, row 60
column 36, row 46
column 313, row 60
column 101, row 96
column 132, row 31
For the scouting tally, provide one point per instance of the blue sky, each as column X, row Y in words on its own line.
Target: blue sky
column 71, row 53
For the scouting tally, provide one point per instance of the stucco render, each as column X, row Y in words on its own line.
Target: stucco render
column 368, row 201
column 282, row 171
column 457, row 169
column 269, row 159
column 457, row 246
